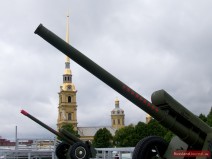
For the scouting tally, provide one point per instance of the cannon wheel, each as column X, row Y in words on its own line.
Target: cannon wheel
column 61, row 150
column 78, row 150
column 151, row 147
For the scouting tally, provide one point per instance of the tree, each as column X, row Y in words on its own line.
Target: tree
column 155, row 129
column 103, row 138
column 130, row 135
column 209, row 118
column 141, row 131
column 203, row 117
column 125, row 137
column 168, row 136
column 70, row 129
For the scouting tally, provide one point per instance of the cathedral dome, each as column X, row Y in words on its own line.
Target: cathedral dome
column 117, row 110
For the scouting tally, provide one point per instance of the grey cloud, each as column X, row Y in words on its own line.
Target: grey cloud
column 148, row 45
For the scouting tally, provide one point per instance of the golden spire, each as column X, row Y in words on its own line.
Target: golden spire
column 67, row 28
column 67, row 76
column 67, row 61
column 67, row 35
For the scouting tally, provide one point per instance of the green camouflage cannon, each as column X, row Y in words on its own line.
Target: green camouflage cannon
column 193, row 137
column 71, row 147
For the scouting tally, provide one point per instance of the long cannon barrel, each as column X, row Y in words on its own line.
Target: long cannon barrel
column 190, row 137
column 47, row 127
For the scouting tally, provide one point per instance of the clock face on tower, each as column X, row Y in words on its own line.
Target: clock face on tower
column 69, row 87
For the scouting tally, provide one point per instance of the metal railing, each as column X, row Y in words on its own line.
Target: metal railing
column 45, row 149
column 114, row 153
column 30, row 149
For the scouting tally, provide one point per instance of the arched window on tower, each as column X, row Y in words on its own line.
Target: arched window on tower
column 69, row 116
column 69, row 99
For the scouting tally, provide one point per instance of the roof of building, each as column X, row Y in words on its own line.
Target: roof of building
column 91, row 131
column 117, row 111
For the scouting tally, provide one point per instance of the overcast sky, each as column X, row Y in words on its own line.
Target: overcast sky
column 147, row 44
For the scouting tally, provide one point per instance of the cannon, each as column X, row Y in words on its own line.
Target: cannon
column 193, row 136
column 71, row 147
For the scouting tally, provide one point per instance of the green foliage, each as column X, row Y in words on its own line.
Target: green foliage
column 209, row 118
column 130, row 135
column 155, row 129
column 210, row 113
column 203, row 117
column 70, row 129
column 125, row 137
column 141, row 131
column 168, row 136
column 102, row 138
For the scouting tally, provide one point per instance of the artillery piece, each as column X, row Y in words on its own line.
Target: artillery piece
column 193, row 136
column 71, row 147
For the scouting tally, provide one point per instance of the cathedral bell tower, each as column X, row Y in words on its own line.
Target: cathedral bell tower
column 67, row 109
column 117, row 116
